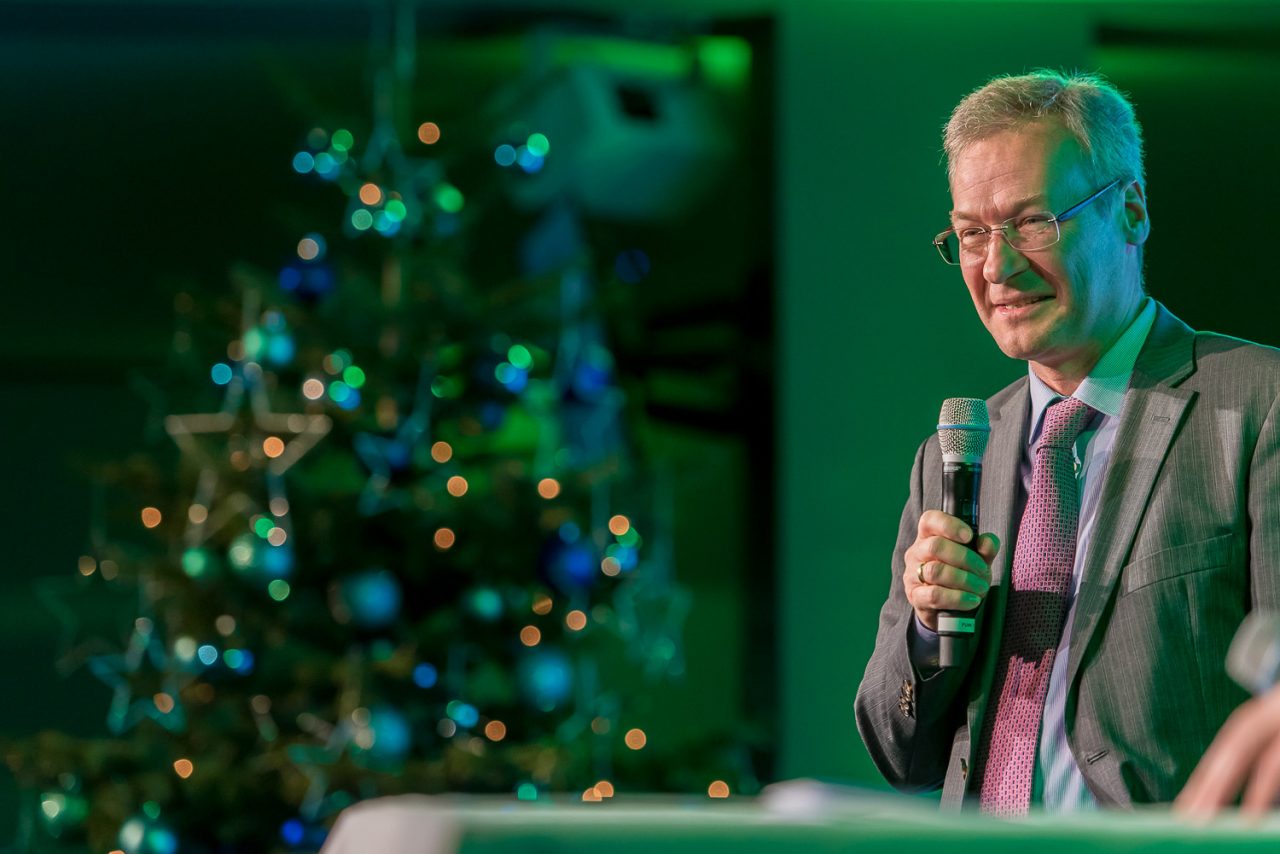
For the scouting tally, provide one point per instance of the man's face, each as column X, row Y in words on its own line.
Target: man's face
column 1063, row 306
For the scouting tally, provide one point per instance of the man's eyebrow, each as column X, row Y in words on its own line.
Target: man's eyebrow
column 1037, row 201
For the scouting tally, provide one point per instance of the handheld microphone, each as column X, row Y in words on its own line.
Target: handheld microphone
column 963, row 428
column 1254, row 657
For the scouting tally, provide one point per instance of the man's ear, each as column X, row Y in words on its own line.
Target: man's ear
column 1136, row 225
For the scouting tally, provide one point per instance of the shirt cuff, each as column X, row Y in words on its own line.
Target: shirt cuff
column 923, row 645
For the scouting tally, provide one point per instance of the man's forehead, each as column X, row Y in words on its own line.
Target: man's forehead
column 1014, row 168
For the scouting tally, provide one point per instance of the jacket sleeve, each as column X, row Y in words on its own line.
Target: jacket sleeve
column 908, row 722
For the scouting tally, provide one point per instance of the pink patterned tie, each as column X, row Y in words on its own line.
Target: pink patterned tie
column 1042, row 566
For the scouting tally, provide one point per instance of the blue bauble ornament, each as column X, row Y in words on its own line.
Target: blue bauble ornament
column 569, row 566
column 311, row 281
column 391, row 734
column 373, row 598
column 546, row 677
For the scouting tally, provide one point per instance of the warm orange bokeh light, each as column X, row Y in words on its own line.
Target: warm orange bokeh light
column 575, row 620
column 273, row 446
column 548, row 488
column 619, row 525
column 635, row 738
column 718, row 789
column 429, row 133
column 444, row 539
column 591, row 795
column 441, row 452
column 610, row 566
column 605, row 788
column 457, row 486
column 183, row 768
column 530, row 636
column 495, row 730
column 542, row 604
column 151, row 517
column 370, row 194
column 164, row 703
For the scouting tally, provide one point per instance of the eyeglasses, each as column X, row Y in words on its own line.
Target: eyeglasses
column 1026, row 233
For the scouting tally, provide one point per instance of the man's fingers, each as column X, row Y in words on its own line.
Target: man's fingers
column 1264, row 783
column 988, row 546
column 931, row 597
column 1224, row 767
column 935, row 523
column 943, row 575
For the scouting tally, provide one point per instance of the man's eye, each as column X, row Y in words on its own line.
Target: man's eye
column 971, row 233
column 1033, row 221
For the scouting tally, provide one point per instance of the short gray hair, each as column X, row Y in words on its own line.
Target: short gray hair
column 1097, row 114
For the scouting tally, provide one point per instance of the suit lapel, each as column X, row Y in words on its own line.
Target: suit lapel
column 1153, row 412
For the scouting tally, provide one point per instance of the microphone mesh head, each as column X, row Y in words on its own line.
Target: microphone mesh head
column 1254, row 657
column 963, row 427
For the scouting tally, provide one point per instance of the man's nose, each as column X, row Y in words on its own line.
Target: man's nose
column 1002, row 260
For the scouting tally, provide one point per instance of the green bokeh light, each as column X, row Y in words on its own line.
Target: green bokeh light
column 449, row 198
column 396, row 210
column 353, row 376
column 538, row 144
column 342, row 140
column 361, row 220
column 725, row 60
column 195, row 562
column 263, row 527
column 279, row 590
column 520, row 356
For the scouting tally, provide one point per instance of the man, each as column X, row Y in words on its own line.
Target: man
column 1131, row 488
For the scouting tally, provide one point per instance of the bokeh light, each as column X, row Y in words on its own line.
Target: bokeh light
column 313, row 389
column 504, row 155
column 635, row 738
column 441, row 452
column 429, row 133
column 457, row 486
column 610, row 566
column 273, row 446
column 530, row 636
column 370, row 194
column 444, row 539
column 619, row 525
column 495, row 730
column 548, row 488
column 538, row 145
column 542, row 604
column 184, row 768
column 220, row 373
column 718, row 789
column 86, row 564
column 575, row 620
column 151, row 517
column 311, row 247
column 198, row 514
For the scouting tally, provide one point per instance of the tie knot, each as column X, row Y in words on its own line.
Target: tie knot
column 1063, row 422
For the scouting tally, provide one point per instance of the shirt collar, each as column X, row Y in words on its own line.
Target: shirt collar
column 1106, row 384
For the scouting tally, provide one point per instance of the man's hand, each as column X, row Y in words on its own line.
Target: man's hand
column 955, row 577
column 1244, row 755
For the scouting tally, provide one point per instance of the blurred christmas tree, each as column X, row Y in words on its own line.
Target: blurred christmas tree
column 411, row 540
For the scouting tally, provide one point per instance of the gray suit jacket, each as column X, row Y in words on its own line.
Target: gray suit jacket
column 1187, row 542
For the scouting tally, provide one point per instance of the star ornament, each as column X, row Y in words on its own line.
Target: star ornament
column 245, row 437
column 123, row 673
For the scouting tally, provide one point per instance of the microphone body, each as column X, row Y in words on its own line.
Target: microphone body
column 1253, row 660
column 963, row 429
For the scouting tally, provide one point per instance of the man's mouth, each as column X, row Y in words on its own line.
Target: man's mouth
column 1021, row 303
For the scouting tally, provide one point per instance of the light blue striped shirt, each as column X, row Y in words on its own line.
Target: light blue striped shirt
column 1059, row 786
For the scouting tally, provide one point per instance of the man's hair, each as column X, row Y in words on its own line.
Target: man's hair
column 1099, row 117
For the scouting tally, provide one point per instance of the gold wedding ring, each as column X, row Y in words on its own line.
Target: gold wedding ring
column 920, row 573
